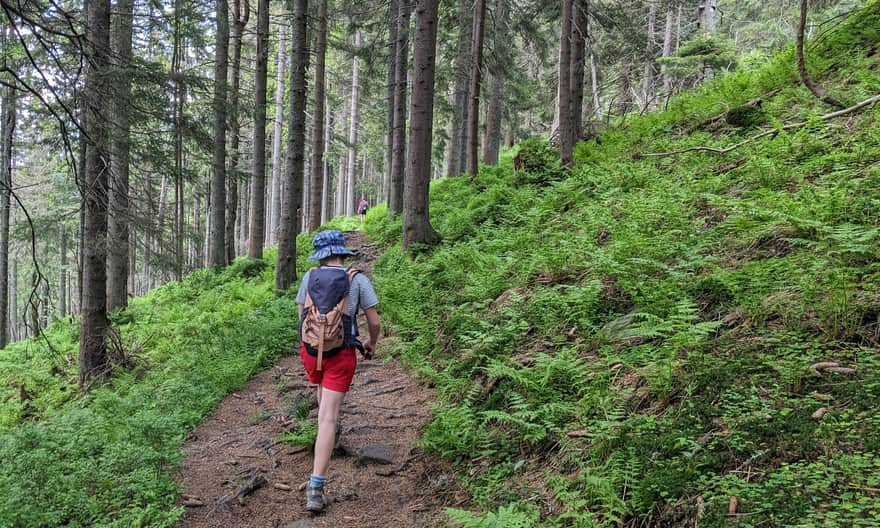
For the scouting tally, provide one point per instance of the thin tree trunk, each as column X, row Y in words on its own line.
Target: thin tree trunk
column 316, row 189
column 117, row 256
column 578, row 56
column 179, row 98
column 564, row 88
column 473, row 113
column 709, row 8
column 352, row 129
column 275, row 207
column 7, row 133
column 258, row 185
column 325, row 171
column 13, row 301
column 460, row 99
column 667, row 51
column 217, row 257
column 393, row 13
column 416, row 219
column 94, row 326
column 648, row 76
column 398, row 135
column 62, row 276
column 285, row 270
column 241, row 14
column 808, row 81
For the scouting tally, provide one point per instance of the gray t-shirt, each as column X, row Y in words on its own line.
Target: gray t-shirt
column 360, row 296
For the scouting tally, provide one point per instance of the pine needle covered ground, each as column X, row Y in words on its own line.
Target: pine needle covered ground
column 665, row 341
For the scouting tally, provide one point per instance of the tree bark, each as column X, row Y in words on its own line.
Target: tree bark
column 7, row 133
column 285, row 271
column 233, row 172
column 667, row 51
column 352, row 129
column 94, row 325
column 217, row 256
column 275, row 201
column 393, row 13
column 460, row 99
column 325, row 170
column 709, row 8
column 473, row 112
column 62, row 274
column 416, row 219
column 398, row 135
column 495, row 109
column 564, row 89
column 808, row 81
column 117, row 256
column 578, row 58
column 316, row 189
column 258, row 185
column 648, row 76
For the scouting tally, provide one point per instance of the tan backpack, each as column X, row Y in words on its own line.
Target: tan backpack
column 325, row 326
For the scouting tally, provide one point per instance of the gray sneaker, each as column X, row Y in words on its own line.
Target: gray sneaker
column 314, row 499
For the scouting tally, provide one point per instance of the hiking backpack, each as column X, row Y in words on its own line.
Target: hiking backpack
column 325, row 326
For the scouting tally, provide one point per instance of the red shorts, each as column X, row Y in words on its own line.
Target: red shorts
column 336, row 372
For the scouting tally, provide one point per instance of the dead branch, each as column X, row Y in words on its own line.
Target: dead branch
column 765, row 133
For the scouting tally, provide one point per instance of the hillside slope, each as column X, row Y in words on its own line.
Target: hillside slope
column 638, row 341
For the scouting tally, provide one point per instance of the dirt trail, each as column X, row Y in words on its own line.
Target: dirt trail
column 382, row 418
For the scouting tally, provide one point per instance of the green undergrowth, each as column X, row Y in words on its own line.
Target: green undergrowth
column 108, row 459
column 632, row 342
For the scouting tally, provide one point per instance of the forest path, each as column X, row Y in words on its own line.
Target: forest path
column 378, row 476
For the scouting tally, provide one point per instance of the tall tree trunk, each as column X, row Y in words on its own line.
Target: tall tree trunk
column 578, row 56
column 285, row 270
column 594, row 82
column 258, row 188
column 460, row 99
column 316, row 189
column 564, row 88
column 709, row 10
column 352, row 129
column 93, row 332
column 13, row 301
column 217, row 257
column 473, row 112
column 233, row 172
column 648, row 76
column 275, row 203
column 7, row 132
column 417, row 227
column 393, row 13
column 398, row 131
column 179, row 98
column 667, row 51
column 808, row 81
column 117, row 246
column 325, row 171
column 495, row 109
column 62, row 275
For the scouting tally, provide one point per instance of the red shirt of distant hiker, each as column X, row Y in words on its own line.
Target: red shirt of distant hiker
column 325, row 285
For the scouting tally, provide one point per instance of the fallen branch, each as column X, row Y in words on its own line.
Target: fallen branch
column 771, row 132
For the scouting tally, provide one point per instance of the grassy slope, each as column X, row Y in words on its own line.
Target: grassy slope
column 108, row 460
column 633, row 342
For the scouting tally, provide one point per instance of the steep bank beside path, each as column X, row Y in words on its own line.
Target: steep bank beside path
column 378, row 476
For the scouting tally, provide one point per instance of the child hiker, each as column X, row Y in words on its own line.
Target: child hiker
column 329, row 298
column 363, row 207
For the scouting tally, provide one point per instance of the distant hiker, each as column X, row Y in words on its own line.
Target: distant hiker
column 363, row 207
column 329, row 298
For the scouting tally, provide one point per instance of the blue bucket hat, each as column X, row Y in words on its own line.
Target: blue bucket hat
column 327, row 243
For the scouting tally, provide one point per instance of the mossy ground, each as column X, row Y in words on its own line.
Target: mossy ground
column 630, row 342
